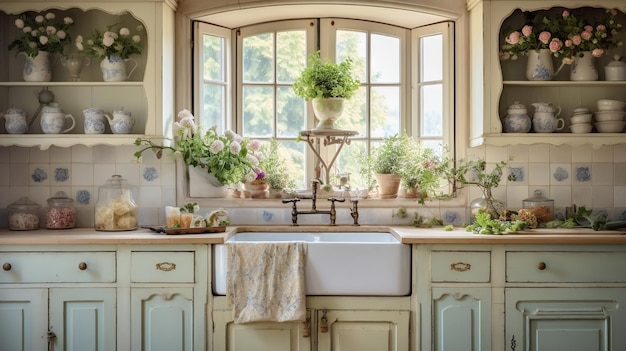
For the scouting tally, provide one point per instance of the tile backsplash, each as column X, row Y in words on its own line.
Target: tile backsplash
column 577, row 175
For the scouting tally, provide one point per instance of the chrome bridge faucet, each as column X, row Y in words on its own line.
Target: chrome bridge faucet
column 315, row 183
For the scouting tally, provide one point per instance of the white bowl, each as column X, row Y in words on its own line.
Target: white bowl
column 605, row 116
column 581, row 128
column 610, row 126
column 611, row 105
column 580, row 118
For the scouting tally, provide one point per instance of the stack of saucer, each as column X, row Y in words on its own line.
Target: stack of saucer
column 610, row 116
column 581, row 120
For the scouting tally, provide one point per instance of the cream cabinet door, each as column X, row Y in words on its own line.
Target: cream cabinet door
column 287, row 336
column 162, row 319
column 23, row 319
column 461, row 319
column 83, row 318
column 350, row 330
column 573, row 319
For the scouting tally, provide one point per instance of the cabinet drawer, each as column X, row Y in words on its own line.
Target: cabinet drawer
column 460, row 266
column 162, row 267
column 57, row 267
column 565, row 267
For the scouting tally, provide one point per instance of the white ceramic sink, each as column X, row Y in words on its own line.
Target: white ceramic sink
column 343, row 263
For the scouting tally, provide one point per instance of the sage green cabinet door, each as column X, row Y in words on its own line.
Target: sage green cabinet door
column 573, row 319
column 163, row 319
column 461, row 319
column 262, row 336
column 83, row 319
column 351, row 330
column 23, row 319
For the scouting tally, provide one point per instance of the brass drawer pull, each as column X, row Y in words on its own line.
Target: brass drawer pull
column 82, row 266
column 166, row 266
column 7, row 267
column 541, row 266
column 460, row 267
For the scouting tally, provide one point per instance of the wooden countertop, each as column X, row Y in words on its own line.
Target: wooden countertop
column 408, row 235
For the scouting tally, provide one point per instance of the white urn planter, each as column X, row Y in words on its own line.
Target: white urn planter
column 327, row 111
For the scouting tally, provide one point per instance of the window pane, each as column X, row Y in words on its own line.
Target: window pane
column 348, row 161
column 212, row 58
column 431, row 49
column 354, row 45
column 385, row 111
column 258, row 58
column 258, row 111
column 385, row 56
column 354, row 116
column 213, row 106
column 297, row 155
column 432, row 107
column 290, row 120
column 290, row 55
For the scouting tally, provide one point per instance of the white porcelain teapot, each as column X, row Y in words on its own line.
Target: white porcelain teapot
column 545, row 118
column 53, row 120
column 122, row 121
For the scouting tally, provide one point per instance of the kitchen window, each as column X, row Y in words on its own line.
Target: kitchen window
column 243, row 82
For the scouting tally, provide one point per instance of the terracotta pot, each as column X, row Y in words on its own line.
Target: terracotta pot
column 258, row 190
column 388, row 185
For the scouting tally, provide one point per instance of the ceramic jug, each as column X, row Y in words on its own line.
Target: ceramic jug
column 545, row 118
column 516, row 120
column 121, row 122
column 53, row 120
column 95, row 120
column 15, row 121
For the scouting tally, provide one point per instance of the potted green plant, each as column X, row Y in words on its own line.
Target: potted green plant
column 422, row 170
column 327, row 85
column 274, row 165
column 386, row 164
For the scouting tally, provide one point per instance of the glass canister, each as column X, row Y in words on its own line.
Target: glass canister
column 542, row 207
column 61, row 213
column 24, row 214
column 116, row 209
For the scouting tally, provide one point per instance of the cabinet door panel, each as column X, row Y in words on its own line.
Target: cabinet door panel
column 23, row 319
column 257, row 336
column 461, row 319
column 162, row 319
column 83, row 319
column 565, row 319
column 363, row 330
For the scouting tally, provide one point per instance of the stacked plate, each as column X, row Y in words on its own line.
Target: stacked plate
column 610, row 116
column 581, row 120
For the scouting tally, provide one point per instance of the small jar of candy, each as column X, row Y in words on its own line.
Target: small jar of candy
column 61, row 213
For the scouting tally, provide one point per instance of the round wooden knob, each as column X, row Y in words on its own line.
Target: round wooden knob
column 82, row 266
column 6, row 266
column 541, row 266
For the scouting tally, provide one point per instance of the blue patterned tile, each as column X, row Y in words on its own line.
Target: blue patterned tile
column 560, row 174
column 150, row 174
column 451, row 217
column 267, row 216
column 61, row 175
column 39, row 175
column 83, row 197
column 583, row 174
column 518, row 173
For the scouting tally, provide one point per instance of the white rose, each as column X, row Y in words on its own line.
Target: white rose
column 51, row 30
column 136, row 38
column 27, row 29
column 124, row 32
column 39, row 19
column 19, row 23
column 79, row 46
column 61, row 34
column 68, row 20
column 50, row 15
column 43, row 40
column 108, row 41
column 79, row 39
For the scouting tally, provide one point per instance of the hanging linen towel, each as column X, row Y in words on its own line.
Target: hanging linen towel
column 265, row 281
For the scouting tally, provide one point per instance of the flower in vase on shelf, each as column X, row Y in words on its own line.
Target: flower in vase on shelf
column 113, row 42
column 41, row 32
column 228, row 157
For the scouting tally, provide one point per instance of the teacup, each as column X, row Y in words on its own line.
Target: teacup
column 122, row 122
column 94, row 120
column 54, row 122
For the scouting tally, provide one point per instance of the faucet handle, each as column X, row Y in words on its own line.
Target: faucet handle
column 333, row 199
column 294, row 200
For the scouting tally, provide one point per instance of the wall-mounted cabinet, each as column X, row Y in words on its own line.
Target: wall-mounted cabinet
column 497, row 84
column 147, row 93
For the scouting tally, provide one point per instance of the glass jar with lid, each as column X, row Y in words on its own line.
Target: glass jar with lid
column 116, row 209
column 24, row 214
column 61, row 213
column 542, row 207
